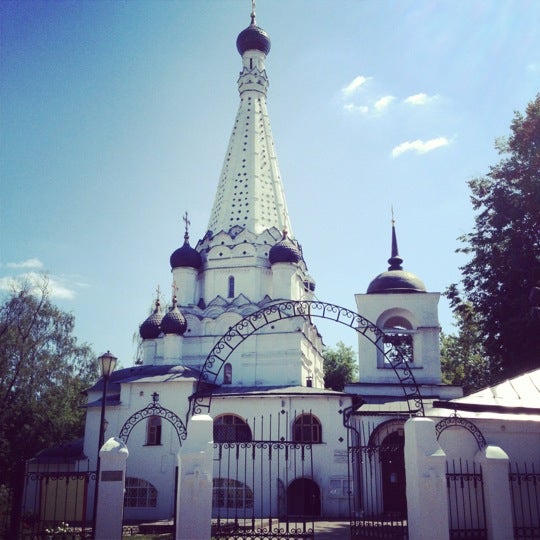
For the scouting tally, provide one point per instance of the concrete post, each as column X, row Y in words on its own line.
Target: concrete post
column 425, row 469
column 195, row 468
column 112, row 481
column 497, row 496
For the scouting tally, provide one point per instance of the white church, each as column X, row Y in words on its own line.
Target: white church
column 239, row 342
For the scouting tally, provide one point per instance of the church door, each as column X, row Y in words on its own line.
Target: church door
column 393, row 474
column 303, row 498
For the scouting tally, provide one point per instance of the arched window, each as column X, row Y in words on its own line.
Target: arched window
column 231, row 287
column 229, row 493
column 139, row 493
column 307, row 429
column 227, row 374
column 153, row 431
column 398, row 338
column 231, row 428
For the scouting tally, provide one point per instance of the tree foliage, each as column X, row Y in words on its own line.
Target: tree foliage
column 42, row 373
column 504, row 247
column 463, row 358
column 340, row 366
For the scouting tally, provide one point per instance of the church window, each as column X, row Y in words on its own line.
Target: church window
column 398, row 341
column 231, row 428
column 139, row 493
column 231, row 287
column 153, row 431
column 229, row 493
column 307, row 429
column 227, row 374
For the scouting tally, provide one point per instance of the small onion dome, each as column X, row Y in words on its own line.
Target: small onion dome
column 186, row 256
column 252, row 38
column 174, row 322
column 285, row 251
column 151, row 327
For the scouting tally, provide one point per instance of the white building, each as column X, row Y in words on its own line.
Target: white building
column 266, row 378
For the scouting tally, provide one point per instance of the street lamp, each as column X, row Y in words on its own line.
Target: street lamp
column 107, row 363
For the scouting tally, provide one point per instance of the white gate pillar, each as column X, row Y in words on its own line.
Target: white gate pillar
column 497, row 499
column 112, row 480
column 425, row 471
column 195, row 470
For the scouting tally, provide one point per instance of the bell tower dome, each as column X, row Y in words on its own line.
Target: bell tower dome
column 398, row 303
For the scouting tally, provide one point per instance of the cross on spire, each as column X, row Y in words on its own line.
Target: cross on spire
column 158, row 294
column 253, row 12
column 185, row 218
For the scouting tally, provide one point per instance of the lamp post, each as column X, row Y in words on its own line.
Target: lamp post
column 107, row 363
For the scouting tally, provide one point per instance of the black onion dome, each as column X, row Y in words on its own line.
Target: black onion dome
column 285, row 251
column 186, row 256
column 251, row 38
column 396, row 280
column 151, row 327
column 174, row 322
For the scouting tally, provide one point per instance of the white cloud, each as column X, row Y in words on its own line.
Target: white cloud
column 29, row 263
column 383, row 103
column 534, row 67
column 354, row 85
column 420, row 99
column 362, row 109
column 55, row 286
column 420, row 147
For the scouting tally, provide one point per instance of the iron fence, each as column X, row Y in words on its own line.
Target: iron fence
column 262, row 489
column 377, row 490
column 467, row 512
column 525, row 493
column 55, row 501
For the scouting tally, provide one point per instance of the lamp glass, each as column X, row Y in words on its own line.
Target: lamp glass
column 107, row 363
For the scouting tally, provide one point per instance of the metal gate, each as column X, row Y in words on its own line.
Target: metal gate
column 467, row 511
column 263, row 489
column 56, row 501
column 377, row 496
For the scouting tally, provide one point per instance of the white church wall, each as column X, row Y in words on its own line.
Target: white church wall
column 517, row 437
column 420, row 309
column 329, row 456
column 185, row 281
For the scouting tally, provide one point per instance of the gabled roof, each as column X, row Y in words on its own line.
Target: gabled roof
column 247, row 391
column 146, row 374
column 520, row 395
column 62, row 453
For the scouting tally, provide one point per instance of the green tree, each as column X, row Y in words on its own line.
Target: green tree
column 340, row 366
column 463, row 359
column 504, row 247
column 42, row 373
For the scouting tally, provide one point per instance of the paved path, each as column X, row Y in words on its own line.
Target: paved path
column 332, row 530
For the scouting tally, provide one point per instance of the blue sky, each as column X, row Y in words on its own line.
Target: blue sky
column 115, row 117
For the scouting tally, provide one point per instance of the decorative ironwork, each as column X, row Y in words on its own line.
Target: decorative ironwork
column 264, row 488
column 466, row 508
column 525, row 492
column 457, row 421
column 153, row 409
column 376, row 473
column 249, row 325
column 53, row 496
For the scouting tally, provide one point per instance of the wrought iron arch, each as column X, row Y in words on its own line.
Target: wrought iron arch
column 273, row 313
column 457, row 421
column 154, row 409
